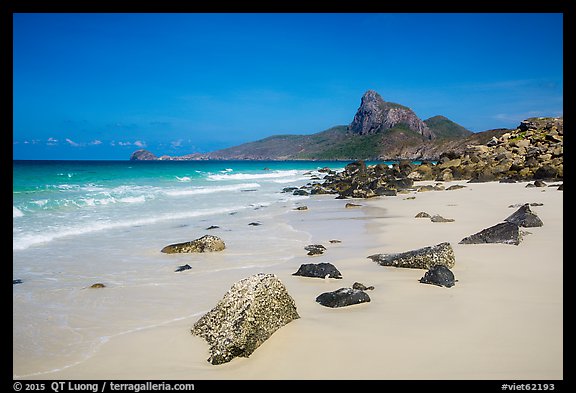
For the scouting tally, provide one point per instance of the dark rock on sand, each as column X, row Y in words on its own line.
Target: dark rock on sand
column 335, row 241
column 342, row 297
column 422, row 258
column 320, row 270
column 439, row 275
column 248, row 314
column 362, row 287
column 505, row 232
column 350, row 205
column 455, row 187
column 183, row 267
column 439, row 218
column 302, row 208
column 212, row 227
column 17, row 281
column 524, row 217
column 422, row 215
column 98, row 285
column 301, row 192
column 207, row 243
column 315, row 249
column 255, row 224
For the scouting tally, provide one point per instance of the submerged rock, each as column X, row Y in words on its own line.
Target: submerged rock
column 524, row 217
column 320, row 270
column 343, row 297
column 183, row 267
column 207, row 243
column 315, row 249
column 439, row 275
column 505, row 232
column 422, row 258
column 248, row 314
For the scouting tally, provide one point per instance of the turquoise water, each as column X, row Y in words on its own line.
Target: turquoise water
column 76, row 223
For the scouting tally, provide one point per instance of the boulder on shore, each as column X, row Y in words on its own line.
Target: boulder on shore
column 505, row 232
column 422, row 258
column 207, row 243
column 525, row 217
column 248, row 314
column 320, row 270
column 439, row 275
column 342, row 297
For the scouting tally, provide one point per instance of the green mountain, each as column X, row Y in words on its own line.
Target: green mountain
column 379, row 130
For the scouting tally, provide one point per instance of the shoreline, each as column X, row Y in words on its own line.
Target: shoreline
column 502, row 319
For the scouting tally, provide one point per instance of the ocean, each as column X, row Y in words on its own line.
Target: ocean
column 77, row 223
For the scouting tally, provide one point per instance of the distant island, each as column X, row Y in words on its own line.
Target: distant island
column 380, row 130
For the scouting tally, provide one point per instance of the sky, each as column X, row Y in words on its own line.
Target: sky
column 100, row 86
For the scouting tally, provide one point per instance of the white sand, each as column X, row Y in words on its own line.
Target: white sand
column 502, row 320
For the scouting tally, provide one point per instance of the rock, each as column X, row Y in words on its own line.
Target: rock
column 98, row 285
column 342, row 297
column 422, row 258
column 539, row 183
column 142, row 155
column 320, row 270
column 375, row 114
column 183, row 267
column 248, row 314
column 524, row 217
column 207, row 243
column 335, row 241
column 17, row 281
column 362, row 287
column 439, row 275
column 302, row 208
column 212, row 227
column 422, row 215
column 439, row 218
column 351, row 205
column 255, row 224
column 301, row 192
column 315, row 249
column 455, row 187
column 289, row 189
column 506, row 232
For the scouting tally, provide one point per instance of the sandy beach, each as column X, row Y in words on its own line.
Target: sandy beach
column 502, row 320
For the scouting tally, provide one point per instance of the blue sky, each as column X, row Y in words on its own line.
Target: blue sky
column 99, row 86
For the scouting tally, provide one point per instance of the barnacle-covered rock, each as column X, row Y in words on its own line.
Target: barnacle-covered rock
column 207, row 243
column 422, row 258
column 248, row 314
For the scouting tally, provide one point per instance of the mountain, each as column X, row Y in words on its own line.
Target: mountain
column 376, row 115
column 379, row 130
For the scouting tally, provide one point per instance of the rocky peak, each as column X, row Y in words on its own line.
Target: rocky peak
column 375, row 115
column 142, row 155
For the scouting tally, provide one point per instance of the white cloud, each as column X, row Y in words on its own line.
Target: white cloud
column 96, row 142
column 52, row 141
column 72, row 143
column 140, row 144
column 124, row 143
